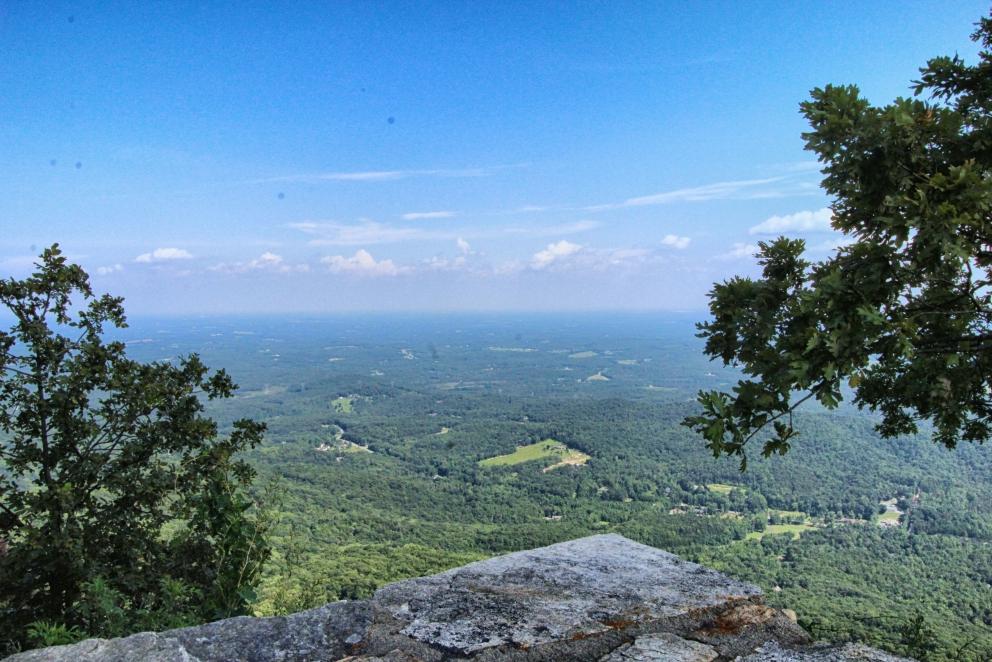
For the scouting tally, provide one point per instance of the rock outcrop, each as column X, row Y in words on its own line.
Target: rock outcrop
column 598, row 598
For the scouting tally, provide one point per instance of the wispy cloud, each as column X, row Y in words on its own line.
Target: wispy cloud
column 426, row 215
column 362, row 264
column 330, row 233
column 604, row 259
column 743, row 188
column 675, row 241
column 463, row 246
column 164, row 255
column 799, row 222
column 381, row 175
column 553, row 230
column 439, row 263
column 740, row 250
column 367, row 232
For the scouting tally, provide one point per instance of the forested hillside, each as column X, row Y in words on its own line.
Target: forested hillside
column 380, row 430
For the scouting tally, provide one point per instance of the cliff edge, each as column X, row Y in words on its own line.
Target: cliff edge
column 602, row 598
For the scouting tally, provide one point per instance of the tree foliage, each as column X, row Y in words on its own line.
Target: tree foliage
column 903, row 313
column 118, row 499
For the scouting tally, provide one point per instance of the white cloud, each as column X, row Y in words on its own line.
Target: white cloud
column 801, row 221
column 425, row 215
column 267, row 261
column 362, row 263
column 564, row 255
column 675, row 241
column 553, row 253
column 463, row 246
column 163, row 255
column 106, row 271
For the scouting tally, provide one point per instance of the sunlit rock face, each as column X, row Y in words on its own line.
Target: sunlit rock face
column 597, row 598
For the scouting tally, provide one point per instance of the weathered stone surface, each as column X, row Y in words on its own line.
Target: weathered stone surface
column 317, row 634
column 743, row 628
column 328, row 632
column 662, row 647
column 598, row 598
column 144, row 646
column 571, row 590
column 775, row 652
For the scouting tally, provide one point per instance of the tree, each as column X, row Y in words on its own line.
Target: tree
column 903, row 313
column 114, row 486
column 918, row 637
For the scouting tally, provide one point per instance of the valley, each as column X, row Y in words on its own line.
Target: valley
column 435, row 441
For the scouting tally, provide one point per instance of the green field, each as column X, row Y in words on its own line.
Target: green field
column 889, row 516
column 721, row 488
column 549, row 449
column 788, row 513
column 342, row 405
column 583, row 355
column 772, row 529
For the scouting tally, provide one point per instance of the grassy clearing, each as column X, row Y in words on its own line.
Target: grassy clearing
column 720, row 488
column 343, row 405
column 583, row 355
column 788, row 513
column 627, row 361
column 773, row 529
column 889, row 516
column 573, row 458
column 549, row 450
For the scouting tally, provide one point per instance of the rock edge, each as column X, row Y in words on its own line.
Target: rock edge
column 597, row 598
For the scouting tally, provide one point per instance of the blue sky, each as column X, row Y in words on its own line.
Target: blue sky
column 250, row 157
